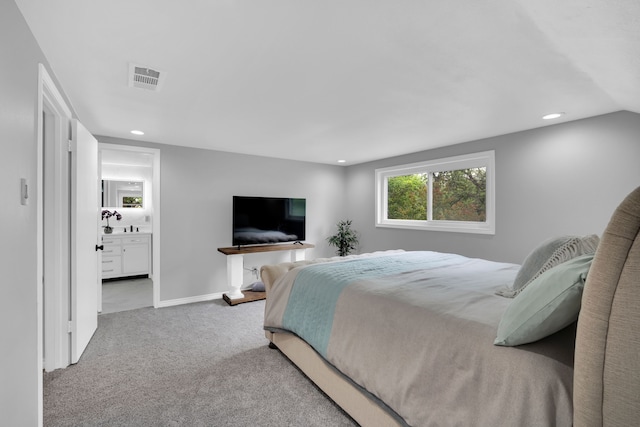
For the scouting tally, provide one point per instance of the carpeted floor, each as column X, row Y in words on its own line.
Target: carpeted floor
column 204, row 364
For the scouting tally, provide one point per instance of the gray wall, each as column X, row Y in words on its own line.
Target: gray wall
column 19, row 377
column 561, row 179
column 196, row 189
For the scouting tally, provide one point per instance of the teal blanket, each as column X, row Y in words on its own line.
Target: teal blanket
column 317, row 288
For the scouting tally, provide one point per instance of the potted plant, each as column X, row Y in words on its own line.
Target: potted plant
column 345, row 239
column 106, row 214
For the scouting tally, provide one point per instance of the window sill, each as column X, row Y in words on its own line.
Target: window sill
column 448, row 226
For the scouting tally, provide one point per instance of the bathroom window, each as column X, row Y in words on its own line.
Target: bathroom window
column 131, row 202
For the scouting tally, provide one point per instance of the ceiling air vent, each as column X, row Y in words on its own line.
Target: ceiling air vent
column 145, row 78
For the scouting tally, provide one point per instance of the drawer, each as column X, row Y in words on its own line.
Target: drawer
column 111, row 266
column 112, row 250
column 135, row 239
column 111, row 241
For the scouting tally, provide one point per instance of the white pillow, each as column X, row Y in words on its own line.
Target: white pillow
column 547, row 255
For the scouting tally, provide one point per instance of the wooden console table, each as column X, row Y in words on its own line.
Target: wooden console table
column 235, row 265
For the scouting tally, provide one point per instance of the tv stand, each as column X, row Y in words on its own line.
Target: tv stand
column 235, row 263
column 262, row 248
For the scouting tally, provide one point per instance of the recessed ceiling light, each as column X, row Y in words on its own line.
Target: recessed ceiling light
column 342, row 161
column 552, row 116
column 137, row 132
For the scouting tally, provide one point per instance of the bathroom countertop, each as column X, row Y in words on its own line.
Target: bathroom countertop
column 127, row 233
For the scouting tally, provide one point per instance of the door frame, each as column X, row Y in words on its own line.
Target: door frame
column 51, row 102
column 56, row 244
column 155, row 207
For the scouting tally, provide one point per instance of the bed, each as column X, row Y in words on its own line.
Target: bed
column 425, row 338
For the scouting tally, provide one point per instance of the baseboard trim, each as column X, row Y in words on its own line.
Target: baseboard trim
column 189, row 300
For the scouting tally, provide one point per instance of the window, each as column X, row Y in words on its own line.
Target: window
column 131, row 202
column 453, row 194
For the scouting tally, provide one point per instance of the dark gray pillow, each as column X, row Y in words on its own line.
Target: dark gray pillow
column 547, row 255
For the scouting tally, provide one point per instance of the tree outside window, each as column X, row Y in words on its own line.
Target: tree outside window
column 460, row 195
column 407, row 197
column 131, row 202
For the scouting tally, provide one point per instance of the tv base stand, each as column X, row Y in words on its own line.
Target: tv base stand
column 235, row 263
column 247, row 296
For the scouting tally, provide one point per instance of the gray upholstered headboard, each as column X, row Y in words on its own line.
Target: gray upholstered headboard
column 607, row 359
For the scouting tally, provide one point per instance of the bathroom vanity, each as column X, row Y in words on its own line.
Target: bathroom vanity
column 126, row 254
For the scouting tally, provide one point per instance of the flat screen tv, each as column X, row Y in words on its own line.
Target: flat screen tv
column 268, row 220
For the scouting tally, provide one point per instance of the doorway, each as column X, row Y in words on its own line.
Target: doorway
column 131, row 186
column 67, row 262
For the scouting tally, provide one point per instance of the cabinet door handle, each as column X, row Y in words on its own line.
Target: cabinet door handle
column 106, row 271
column 101, row 247
column 105, row 262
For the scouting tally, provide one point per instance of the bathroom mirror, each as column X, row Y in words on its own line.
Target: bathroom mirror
column 122, row 194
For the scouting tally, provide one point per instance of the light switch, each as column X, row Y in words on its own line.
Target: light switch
column 24, row 191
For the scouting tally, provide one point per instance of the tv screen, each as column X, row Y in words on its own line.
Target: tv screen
column 268, row 220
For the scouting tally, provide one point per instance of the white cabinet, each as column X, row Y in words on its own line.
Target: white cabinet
column 126, row 255
column 135, row 255
column 111, row 257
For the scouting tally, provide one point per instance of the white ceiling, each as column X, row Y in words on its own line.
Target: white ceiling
column 339, row 79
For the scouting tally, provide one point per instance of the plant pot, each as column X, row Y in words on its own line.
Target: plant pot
column 108, row 230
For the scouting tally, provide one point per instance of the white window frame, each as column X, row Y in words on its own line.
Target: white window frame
column 476, row 160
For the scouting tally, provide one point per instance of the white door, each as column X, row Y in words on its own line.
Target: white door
column 100, row 253
column 85, row 217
